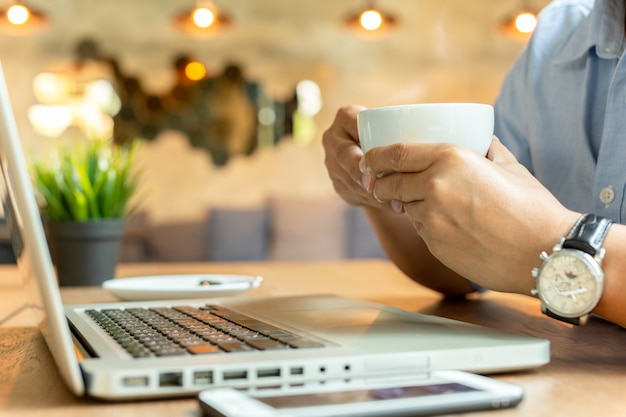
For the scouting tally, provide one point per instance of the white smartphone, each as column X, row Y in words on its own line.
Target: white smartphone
column 433, row 393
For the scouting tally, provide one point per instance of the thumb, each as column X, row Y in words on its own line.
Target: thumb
column 499, row 153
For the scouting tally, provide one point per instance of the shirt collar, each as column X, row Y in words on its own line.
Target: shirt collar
column 602, row 29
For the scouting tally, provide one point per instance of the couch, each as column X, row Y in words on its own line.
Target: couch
column 285, row 229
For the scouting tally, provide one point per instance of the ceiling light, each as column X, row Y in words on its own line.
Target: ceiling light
column 18, row 19
column 525, row 22
column 18, row 14
column 520, row 25
column 203, row 17
column 203, row 20
column 370, row 21
column 195, row 71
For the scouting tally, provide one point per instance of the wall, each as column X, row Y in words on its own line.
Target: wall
column 442, row 50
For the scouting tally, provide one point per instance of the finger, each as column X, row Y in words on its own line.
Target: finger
column 397, row 206
column 425, row 220
column 499, row 153
column 404, row 187
column 341, row 144
column 360, row 197
column 347, row 155
column 347, row 120
column 400, row 157
column 344, row 127
column 412, row 157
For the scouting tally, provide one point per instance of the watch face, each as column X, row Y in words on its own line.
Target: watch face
column 570, row 283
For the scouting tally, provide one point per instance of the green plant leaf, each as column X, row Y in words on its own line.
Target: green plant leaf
column 91, row 181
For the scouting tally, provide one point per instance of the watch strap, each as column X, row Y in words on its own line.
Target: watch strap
column 571, row 320
column 588, row 233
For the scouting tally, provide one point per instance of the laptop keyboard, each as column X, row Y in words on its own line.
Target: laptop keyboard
column 184, row 330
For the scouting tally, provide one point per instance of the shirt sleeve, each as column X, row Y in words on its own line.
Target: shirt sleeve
column 510, row 124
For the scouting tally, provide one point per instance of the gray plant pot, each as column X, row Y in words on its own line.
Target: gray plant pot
column 85, row 253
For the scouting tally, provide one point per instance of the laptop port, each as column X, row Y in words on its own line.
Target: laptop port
column 171, row 379
column 297, row 370
column 269, row 387
column 203, row 377
column 135, row 381
column 232, row 375
column 268, row 373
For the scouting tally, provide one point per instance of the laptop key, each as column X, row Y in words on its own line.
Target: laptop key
column 203, row 349
column 266, row 344
column 304, row 343
column 169, row 351
column 234, row 347
column 140, row 353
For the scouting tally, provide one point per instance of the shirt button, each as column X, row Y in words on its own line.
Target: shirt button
column 607, row 195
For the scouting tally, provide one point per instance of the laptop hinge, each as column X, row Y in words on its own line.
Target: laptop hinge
column 82, row 349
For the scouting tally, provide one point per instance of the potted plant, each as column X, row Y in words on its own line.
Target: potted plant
column 84, row 196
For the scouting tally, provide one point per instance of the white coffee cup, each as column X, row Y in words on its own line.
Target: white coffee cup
column 467, row 124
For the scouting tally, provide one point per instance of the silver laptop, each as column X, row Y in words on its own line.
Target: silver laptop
column 111, row 351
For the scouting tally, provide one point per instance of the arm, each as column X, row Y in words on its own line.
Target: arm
column 487, row 219
column 410, row 253
column 395, row 231
column 612, row 301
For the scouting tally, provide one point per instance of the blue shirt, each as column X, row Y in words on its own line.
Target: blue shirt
column 562, row 107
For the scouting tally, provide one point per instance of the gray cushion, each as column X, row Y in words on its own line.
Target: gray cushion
column 178, row 242
column 134, row 246
column 362, row 240
column 238, row 234
column 308, row 228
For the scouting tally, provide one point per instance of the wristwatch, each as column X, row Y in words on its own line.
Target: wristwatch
column 569, row 282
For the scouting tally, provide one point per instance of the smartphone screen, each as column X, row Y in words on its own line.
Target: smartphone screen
column 438, row 392
column 364, row 395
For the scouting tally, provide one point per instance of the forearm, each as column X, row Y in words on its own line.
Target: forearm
column 611, row 305
column 409, row 252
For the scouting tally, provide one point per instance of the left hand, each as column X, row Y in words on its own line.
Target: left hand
column 486, row 218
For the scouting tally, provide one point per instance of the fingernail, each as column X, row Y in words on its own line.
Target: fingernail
column 366, row 182
column 397, row 206
column 363, row 166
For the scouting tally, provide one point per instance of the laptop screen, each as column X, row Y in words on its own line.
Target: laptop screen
column 30, row 247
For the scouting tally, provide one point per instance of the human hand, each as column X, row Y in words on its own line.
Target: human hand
column 342, row 156
column 486, row 218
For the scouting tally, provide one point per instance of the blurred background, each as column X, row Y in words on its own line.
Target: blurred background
column 231, row 107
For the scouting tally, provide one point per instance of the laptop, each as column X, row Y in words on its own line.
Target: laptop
column 110, row 351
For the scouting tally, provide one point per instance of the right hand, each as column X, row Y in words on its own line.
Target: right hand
column 395, row 232
column 342, row 155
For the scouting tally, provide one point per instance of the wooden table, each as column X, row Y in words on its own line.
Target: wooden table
column 586, row 377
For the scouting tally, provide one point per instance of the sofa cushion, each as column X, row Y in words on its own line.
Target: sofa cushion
column 178, row 242
column 134, row 247
column 307, row 228
column 362, row 240
column 238, row 234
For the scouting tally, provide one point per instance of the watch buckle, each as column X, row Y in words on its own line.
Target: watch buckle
column 599, row 256
column 559, row 245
